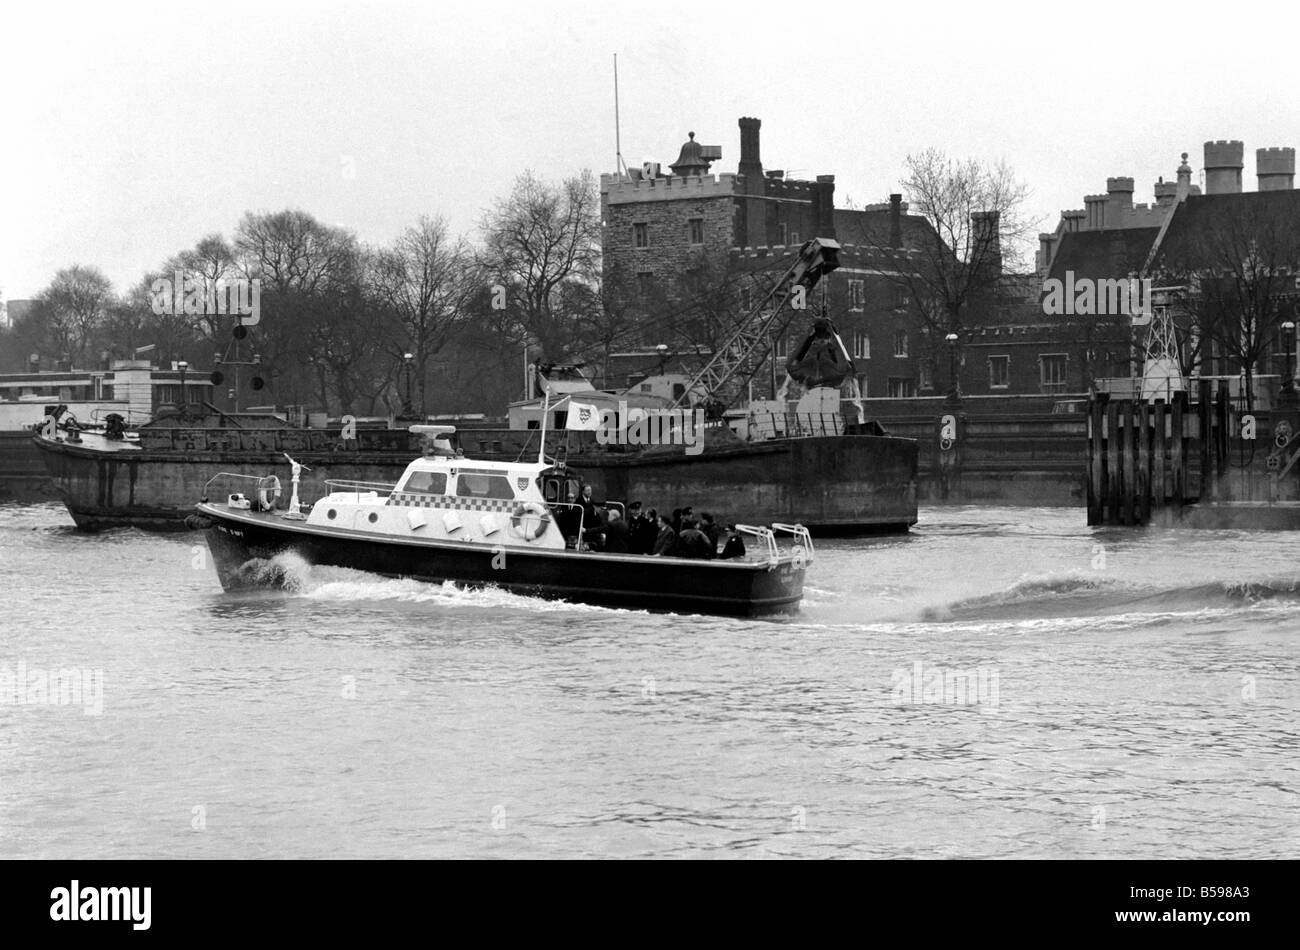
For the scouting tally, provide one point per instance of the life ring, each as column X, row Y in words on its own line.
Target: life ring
column 530, row 510
column 268, row 496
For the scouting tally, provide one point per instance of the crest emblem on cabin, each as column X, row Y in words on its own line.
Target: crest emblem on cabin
column 522, row 483
column 584, row 414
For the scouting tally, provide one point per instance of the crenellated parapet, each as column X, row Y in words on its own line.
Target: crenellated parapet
column 617, row 189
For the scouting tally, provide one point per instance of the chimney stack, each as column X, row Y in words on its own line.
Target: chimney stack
column 896, row 222
column 1096, row 208
column 1046, row 245
column 986, row 240
column 1119, row 195
column 824, row 206
column 1223, row 164
column 1166, row 192
column 1275, row 168
column 750, row 162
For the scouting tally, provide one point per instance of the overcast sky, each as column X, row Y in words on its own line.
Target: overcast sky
column 132, row 130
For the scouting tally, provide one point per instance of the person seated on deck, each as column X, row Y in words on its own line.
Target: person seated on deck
column 666, row 538
column 692, row 542
column 617, row 534
column 735, row 545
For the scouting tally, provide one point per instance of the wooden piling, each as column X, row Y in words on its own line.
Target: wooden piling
column 1160, row 423
column 1096, row 459
column 1113, row 484
column 1142, row 431
column 1178, row 450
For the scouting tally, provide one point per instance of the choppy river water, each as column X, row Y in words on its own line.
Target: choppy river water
column 998, row 683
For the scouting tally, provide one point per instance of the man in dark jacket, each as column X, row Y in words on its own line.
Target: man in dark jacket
column 647, row 532
column 693, row 542
column 735, row 546
column 667, row 537
column 634, row 518
column 616, row 534
column 712, row 529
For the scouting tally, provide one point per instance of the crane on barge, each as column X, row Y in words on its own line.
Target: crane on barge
column 736, row 361
column 821, row 361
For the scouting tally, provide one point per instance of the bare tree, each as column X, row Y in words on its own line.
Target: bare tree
column 306, row 269
column 538, row 241
column 426, row 279
column 976, row 231
column 1237, row 265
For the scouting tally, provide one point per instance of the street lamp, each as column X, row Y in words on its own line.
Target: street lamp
column 1288, row 340
column 951, row 338
column 407, row 358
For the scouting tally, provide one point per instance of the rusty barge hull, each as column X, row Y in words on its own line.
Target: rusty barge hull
column 832, row 484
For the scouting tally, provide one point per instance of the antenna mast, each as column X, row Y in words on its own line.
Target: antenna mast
column 619, row 166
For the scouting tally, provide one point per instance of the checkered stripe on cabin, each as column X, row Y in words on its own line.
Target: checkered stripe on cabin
column 454, row 503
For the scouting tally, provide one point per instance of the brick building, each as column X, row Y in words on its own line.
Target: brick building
column 691, row 250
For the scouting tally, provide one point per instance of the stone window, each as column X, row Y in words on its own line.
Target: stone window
column 900, row 343
column 781, row 347
column 697, row 230
column 861, row 345
column 641, row 234
column 927, row 374
column 999, row 372
column 857, row 294
column 1052, row 371
column 901, row 387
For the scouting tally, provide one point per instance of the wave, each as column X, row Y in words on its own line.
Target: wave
column 291, row 574
column 1096, row 594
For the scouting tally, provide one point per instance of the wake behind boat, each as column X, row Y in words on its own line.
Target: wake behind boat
column 514, row 525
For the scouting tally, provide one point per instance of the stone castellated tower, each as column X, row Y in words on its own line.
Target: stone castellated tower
column 1275, row 168
column 1223, row 164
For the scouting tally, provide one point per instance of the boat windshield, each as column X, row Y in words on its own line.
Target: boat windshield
column 483, row 485
column 432, row 483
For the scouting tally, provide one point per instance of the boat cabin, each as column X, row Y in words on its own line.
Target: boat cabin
column 448, row 497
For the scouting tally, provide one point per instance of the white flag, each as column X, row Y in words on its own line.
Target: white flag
column 582, row 415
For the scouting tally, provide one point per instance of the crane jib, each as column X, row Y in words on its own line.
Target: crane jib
column 815, row 259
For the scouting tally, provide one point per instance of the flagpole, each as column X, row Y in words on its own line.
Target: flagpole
column 546, row 411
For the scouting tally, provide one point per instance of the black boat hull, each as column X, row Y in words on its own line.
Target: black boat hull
column 244, row 545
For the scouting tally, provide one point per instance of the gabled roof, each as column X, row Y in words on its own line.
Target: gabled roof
column 1204, row 214
column 871, row 228
column 1110, row 253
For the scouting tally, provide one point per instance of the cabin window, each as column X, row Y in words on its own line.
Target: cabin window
column 483, row 485
column 432, row 483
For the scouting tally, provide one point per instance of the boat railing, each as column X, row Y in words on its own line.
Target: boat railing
column 345, row 486
column 581, row 520
column 266, row 488
column 794, row 425
column 768, row 538
column 132, row 417
column 803, row 545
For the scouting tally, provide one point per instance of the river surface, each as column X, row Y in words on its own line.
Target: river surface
column 999, row 683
